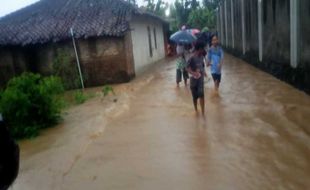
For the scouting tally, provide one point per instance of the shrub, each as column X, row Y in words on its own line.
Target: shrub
column 79, row 97
column 30, row 103
column 106, row 90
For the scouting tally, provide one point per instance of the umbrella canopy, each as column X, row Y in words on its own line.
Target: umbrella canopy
column 193, row 31
column 182, row 37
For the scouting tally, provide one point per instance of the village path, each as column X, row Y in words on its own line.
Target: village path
column 255, row 136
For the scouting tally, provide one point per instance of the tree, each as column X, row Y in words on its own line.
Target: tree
column 150, row 6
column 159, row 7
column 174, row 25
column 202, row 17
column 182, row 11
column 194, row 4
column 211, row 4
column 132, row 2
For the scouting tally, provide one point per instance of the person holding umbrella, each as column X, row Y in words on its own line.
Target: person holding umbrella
column 181, row 71
column 182, row 38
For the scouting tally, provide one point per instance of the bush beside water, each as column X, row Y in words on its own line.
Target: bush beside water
column 30, row 103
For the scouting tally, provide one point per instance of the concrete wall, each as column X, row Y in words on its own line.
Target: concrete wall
column 140, row 42
column 305, row 31
column 283, row 46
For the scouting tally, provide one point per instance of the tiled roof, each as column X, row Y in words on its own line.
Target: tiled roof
column 51, row 20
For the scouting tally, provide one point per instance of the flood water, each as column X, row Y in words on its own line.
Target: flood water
column 255, row 137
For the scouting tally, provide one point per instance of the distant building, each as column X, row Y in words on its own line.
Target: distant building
column 115, row 39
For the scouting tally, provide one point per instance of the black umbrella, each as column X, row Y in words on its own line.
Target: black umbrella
column 182, row 37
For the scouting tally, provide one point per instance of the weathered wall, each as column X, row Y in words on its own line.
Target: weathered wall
column 140, row 41
column 305, row 31
column 251, row 27
column 6, row 66
column 276, row 31
column 103, row 60
column 128, row 50
column 243, row 30
column 12, row 62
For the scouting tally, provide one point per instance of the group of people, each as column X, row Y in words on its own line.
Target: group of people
column 192, row 64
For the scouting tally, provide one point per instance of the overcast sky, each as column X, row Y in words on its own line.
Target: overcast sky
column 8, row 6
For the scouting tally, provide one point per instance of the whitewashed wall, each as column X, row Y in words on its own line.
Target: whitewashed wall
column 140, row 41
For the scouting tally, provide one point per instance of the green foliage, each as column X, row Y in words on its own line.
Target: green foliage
column 179, row 12
column 172, row 18
column 64, row 67
column 79, row 97
column 211, row 4
column 189, row 12
column 182, row 12
column 194, row 4
column 202, row 17
column 157, row 7
column 107, row 90
column 30, row 103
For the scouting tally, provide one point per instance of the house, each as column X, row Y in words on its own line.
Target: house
column 114, row 39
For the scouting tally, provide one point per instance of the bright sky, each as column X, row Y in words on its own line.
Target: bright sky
column 8, row 6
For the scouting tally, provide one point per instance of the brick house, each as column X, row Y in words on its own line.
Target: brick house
column 114, row 39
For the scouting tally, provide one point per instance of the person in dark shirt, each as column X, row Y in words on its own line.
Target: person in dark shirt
column 196, row 69
column 9, row 159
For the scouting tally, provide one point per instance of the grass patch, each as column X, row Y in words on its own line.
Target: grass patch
column 76, row 97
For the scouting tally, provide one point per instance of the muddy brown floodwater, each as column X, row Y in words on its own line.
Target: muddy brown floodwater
column 255, row 137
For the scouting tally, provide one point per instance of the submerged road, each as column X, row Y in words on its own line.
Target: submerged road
column 256, row 136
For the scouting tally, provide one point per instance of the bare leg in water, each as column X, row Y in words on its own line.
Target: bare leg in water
column 216, row 85
column 202, row 105
column 195, row 101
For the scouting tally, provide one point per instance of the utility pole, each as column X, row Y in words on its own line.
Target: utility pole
column 77, row 58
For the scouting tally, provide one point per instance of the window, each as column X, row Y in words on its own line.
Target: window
column 150, row 41
column 155, row 38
